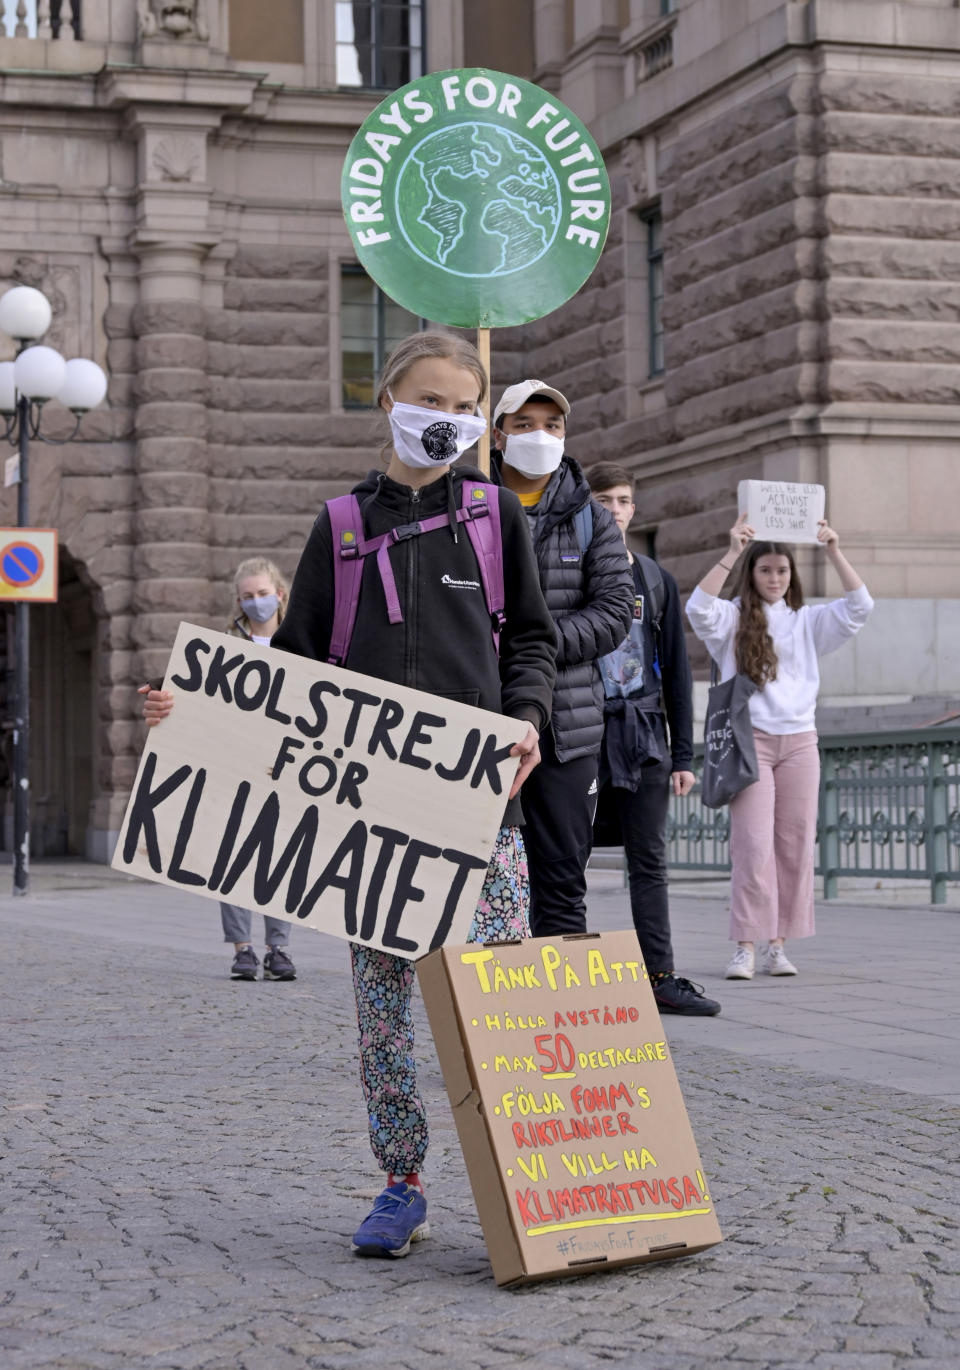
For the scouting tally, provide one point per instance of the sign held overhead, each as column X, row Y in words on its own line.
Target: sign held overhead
column 781, row 511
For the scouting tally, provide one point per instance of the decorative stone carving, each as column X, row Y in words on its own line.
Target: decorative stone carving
column 68, row 283
column 177, row 159
column 634, row 161
column 180, row 19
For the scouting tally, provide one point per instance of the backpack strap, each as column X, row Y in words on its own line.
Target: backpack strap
column 583, row 526
column 656, row 596
column 346, row 527
column 652, row 578
column 481, row 513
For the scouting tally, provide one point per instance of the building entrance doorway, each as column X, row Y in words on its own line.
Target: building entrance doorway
column 62, row 718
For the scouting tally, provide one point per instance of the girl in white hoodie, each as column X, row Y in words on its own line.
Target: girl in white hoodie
column 767, row 633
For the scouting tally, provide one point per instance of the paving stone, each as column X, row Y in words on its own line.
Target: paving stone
column 184, row 1160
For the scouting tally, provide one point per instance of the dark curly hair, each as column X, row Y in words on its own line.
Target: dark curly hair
column 755, row 653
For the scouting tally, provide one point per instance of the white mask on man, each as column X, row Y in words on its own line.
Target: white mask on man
column 428, row 437
column 533, row 454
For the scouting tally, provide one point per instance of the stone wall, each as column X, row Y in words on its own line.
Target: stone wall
column 812, row 277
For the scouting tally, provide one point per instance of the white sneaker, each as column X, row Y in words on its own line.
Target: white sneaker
column 775, row 962
column 741, row 965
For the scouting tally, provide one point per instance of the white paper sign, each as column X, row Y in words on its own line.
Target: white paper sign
column 363, row 809
column 779, row 511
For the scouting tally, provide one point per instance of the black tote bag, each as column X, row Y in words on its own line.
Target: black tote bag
column 729, row 754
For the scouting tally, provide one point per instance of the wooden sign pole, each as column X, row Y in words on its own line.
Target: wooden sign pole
column 483, row 347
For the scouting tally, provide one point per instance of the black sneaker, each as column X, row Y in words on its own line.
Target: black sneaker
column 245, row 965
column 676, row 995
column 278, row 966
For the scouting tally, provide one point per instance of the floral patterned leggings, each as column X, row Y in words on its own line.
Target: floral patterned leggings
column 383, row 985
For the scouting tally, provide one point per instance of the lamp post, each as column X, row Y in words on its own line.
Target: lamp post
column 39, row 374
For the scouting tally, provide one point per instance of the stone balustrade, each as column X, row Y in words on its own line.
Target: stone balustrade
column 42, row 19
column 650, row 48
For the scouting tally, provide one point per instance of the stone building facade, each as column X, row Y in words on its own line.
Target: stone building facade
column 777, row 297
column 798, row 164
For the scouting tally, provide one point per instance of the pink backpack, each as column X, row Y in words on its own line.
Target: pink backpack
column 480, row 512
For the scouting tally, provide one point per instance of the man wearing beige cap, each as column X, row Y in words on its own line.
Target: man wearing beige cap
column 586, row 580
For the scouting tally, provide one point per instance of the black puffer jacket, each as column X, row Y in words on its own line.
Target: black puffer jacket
column 591, row 599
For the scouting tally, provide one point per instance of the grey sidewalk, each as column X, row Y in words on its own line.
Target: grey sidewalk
column 185, row 1159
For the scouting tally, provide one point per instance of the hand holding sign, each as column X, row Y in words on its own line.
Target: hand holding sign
column 156, row 706
column 740, row 534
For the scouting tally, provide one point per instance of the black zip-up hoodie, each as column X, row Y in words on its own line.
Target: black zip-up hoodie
column 444, row 644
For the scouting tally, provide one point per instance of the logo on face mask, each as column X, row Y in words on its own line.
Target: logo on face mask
column 440, row 441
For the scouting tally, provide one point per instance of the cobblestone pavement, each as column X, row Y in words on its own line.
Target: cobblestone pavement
column 184, row 1160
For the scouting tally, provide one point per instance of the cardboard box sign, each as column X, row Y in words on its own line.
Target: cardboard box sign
column 319, row 795
column 568, row 1108
column 779, row 511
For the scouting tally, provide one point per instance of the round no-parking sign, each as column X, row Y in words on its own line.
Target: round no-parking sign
column 476, row 199
column 28, row 564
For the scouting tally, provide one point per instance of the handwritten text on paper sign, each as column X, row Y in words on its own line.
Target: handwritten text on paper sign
column 781, row 511
column 311, row 793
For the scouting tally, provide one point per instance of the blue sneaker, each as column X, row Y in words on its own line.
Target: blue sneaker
column 398, row 1218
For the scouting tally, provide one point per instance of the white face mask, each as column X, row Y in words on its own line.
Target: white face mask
column 428, row 437
column 533, row 454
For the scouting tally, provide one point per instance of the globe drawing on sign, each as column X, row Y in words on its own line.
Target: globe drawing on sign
column 478, row 200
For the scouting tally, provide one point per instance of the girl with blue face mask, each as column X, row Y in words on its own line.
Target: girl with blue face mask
column 261, row 597
column 261, row 593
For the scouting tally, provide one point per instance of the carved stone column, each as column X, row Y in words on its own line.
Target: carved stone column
column 171, row 560
column 170, row 115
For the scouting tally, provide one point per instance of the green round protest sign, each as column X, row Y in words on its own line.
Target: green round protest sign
column 476, row 199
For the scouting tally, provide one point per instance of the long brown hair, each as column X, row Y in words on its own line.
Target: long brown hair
column 753, row 646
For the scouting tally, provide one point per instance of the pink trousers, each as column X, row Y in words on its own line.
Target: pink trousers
column 773, row 828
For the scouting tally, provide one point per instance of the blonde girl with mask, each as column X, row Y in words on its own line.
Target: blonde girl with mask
column 260, row 592
column 261, row 597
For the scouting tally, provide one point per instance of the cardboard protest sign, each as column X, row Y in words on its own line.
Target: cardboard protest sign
column 570, row 1116
column 361, row 808
column 475, row 198
column 779, row 511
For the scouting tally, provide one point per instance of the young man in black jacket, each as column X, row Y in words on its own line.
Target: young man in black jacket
column 586, row 582
column 649, row 690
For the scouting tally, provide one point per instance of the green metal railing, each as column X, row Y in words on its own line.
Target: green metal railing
column 889, row 806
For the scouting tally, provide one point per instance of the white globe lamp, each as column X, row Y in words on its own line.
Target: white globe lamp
column 39, row 373
column 25, row 313
column 84, row 386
